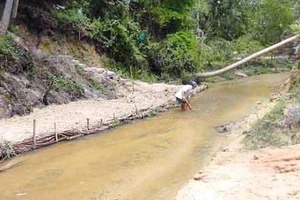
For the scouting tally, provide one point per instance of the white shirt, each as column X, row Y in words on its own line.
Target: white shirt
column 184, row 90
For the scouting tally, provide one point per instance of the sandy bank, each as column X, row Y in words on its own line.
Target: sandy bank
column 235, row 173
column 73, row 116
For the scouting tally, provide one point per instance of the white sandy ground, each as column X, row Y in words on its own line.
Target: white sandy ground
column 235, row 173
column 73, row 115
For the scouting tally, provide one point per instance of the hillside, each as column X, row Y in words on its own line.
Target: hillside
column 34, row 78
column 58, row 52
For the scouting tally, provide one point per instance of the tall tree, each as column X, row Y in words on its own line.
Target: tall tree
column 270, row 19
column 10, row 11
column 15, row 8
column 226, row 19
column 6, row 15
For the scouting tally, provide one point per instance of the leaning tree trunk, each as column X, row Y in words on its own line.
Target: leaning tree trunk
column 6, row 16
column 247, row 59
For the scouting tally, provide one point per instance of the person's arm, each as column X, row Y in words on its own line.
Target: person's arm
column 189, row 105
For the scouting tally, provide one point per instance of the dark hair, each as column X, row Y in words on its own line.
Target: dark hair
column 193, row 84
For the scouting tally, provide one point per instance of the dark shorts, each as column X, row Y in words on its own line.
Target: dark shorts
column 180, row 100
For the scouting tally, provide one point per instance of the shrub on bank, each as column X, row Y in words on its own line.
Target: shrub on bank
column 281, row 126
column 6, row 150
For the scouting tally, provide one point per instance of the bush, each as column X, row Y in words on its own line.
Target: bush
column 175, row 56
column 73, row 17
column 270, row 21
column 8, row 47
column 296, row 27
column 119, row 39
column 245, row 46
column 96, row 84
column 67, row 85
column 6, row 150
column 215, row 54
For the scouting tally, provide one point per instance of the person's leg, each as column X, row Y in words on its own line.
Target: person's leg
column 184, row 106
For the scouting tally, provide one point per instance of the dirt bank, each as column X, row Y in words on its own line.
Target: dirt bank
column 235, row 173
column 73, row 116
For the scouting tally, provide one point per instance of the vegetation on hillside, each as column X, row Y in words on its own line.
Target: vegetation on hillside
column 166, row 39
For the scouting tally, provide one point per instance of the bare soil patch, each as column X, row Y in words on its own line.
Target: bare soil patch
column 236, row 173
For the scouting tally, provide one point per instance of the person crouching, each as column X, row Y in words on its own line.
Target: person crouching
column 184, row 94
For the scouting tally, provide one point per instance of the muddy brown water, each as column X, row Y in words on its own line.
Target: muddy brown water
column 144, row 160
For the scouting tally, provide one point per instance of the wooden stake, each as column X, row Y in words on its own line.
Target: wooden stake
column 101, row 122
column 56, row 136
column 114, row 116
column 34, row 134
column 88, row 123
column 136, row 109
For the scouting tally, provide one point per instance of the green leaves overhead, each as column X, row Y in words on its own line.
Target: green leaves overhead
column 270, row 20
column 170, row 38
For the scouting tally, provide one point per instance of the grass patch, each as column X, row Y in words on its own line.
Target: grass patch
column 152, row 113
column 79, row 69
column 268, row 131
column 278, row 128
column 116, row 123
column 8, row 47
column 96, row 84
column 67, row 85
column 295, row 91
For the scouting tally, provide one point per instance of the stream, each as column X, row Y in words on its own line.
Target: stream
column 144, row 160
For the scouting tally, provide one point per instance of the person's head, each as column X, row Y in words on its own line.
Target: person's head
column 193, row 84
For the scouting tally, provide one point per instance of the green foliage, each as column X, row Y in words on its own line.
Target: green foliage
column 274, row 129
column 79, row 69
column 108, row 9
column 6, row 150
column 270, row 20
column 215, row 54
column 295, row 91
column 118, row 38
column 296, row 27
column 245, row 46
column 172, row 38
column 116, row 123
column 67, row 85
column 296, row 9
column 152, row 113
column 7, row 47
column 226, row 19
column 96, row 84
column 74, row 17
column 266, row 132
column 148, row 77
column 175, row 56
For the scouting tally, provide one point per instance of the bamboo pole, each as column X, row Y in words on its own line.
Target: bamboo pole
column 247, row 59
